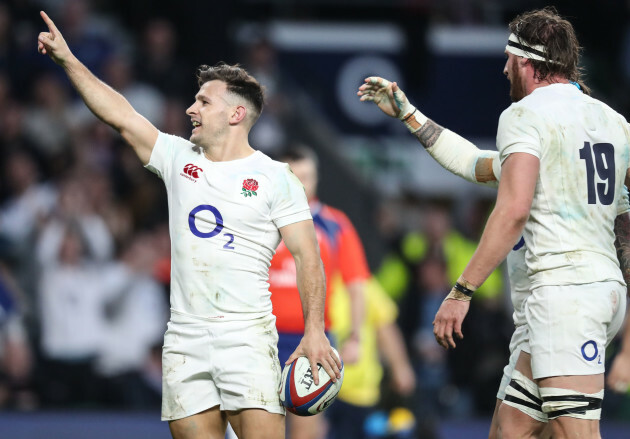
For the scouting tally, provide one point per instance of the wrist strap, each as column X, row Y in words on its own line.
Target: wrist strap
column 413, row 119
column 462, row 290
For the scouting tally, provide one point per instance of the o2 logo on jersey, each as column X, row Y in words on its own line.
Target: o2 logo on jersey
column 590, row 351
column 218, row 219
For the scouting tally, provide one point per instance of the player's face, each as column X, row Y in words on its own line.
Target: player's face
column 306, row 171
column 515, row 76
column 209, row 113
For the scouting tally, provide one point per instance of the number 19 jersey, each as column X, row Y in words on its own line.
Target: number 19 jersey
column 584, row 151
column 223, row 221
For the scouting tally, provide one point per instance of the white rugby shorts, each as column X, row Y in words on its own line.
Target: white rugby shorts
column 519, row 340
column 232, row 364
column 571, row 325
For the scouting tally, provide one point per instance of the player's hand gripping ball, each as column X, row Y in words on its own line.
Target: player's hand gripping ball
column 298, row 392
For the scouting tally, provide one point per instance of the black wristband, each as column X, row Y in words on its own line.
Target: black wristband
column 462, row 289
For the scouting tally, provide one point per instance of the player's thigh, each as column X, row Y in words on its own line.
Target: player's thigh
column 257, row 424
column 520, row 415
column 209, row 424
column 187, row 386
column 588, row 386
column 305, row 427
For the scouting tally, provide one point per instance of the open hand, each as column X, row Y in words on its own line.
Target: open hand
column 448, row 321
column 386, row 95
column 51, row 43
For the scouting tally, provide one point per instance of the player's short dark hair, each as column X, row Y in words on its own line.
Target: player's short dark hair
column 546, row 27
column 238, row 81
column 298, row 153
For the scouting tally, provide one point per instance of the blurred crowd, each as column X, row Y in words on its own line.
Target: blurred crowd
column 84, row 245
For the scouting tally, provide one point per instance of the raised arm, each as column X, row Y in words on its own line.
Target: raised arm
column 454, row 153
column 301, row 241
column 105, row 102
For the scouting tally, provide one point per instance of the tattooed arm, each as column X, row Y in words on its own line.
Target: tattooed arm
column 619, row 377
column 622, row 244
column 454, row 153
column 428, row 133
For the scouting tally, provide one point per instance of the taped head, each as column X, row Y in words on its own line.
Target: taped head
column 549, row 42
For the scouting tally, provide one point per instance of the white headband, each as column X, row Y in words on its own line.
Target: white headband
column 519, row 48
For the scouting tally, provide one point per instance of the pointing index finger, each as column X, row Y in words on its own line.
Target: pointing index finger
column 51, row 26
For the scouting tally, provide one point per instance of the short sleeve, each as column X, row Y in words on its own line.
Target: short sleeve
column 289, row 204
column 517, row 132
column 496, row 167
column 161, row 161
column 623, row 206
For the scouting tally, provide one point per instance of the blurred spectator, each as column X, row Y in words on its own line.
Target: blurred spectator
column 268, row 135
column 16, row 357
column 118, row 73
column 175, row 119
column 89, row 35
column 72, row 296
column 158, row 64
column 136, row 321
column 75, row 208
column 29, row 202
column 380, row 337
column 12, row 131
column 48, row 119
column 434, row 398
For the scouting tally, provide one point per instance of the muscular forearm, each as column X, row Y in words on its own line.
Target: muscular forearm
column 622, row 244
column 311, row 285
column 105, row 102
column 503, row 230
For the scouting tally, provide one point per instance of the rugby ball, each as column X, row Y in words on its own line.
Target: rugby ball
column 298, row 392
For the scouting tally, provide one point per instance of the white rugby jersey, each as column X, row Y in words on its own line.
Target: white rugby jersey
column 223, row 221
column 584, row 153
column 520, row 285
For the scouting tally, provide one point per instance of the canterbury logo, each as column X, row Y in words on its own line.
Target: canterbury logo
column 192, row 170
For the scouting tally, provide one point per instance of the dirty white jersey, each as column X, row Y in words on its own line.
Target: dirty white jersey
column 584, row 151
column 520, row 285
column 223, row 221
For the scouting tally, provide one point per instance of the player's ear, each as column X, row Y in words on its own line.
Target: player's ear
column 239, row 113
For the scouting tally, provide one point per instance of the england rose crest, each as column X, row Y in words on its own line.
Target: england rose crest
column 250, row 186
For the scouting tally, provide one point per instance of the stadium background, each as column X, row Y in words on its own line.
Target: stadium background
column 83, row 235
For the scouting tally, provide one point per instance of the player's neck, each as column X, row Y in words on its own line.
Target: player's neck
column 230, row 148
column 536, row 83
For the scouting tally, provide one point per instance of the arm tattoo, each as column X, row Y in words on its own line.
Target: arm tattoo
column 622, row 243
column 429, row 133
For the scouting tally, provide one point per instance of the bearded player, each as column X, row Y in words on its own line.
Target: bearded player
column 518, row 397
